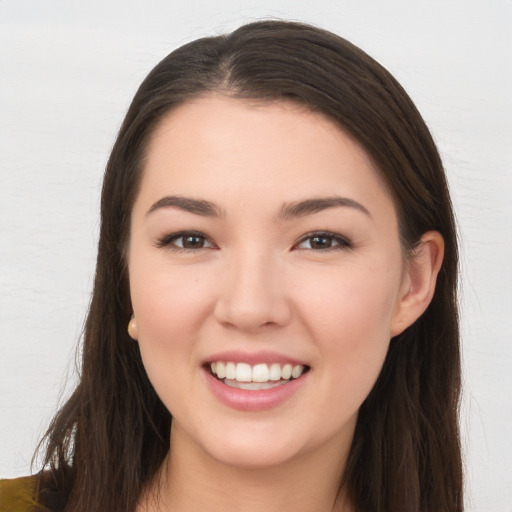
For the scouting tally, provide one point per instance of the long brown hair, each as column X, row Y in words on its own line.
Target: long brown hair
column 113, row 433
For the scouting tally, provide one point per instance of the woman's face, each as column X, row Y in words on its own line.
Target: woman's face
column 262, row 241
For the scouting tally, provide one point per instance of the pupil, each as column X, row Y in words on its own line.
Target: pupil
column 320, row 242
column 193, row 242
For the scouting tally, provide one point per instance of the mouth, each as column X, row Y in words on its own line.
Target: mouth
column 255, row 377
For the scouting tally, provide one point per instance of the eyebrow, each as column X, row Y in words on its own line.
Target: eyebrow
column 288, row 210
column 310, row 206
column 196, row 206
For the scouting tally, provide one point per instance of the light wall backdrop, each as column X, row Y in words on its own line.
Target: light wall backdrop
column 68, row 70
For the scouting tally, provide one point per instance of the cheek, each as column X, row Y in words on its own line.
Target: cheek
column 170, row 305
column 348, row 302
column 167, row 298
column 349, row 318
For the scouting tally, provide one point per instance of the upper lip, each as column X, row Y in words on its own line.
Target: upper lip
column 253, row 358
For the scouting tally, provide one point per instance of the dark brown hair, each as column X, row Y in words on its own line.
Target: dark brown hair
column 113, row 433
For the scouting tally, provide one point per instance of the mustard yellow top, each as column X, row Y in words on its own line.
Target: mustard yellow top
column 21, row 495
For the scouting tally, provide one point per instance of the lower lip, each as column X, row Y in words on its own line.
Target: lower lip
column 254, row 400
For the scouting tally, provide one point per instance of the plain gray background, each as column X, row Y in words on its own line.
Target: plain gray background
column 68, row 70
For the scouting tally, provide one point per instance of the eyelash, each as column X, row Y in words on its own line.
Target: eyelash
column 170, row 239
column 341, row 242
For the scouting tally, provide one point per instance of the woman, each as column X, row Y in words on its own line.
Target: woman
column 274, row 316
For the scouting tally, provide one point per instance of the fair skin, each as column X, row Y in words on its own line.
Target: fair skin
column 263, row 236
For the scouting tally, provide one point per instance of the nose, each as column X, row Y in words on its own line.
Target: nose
column 252, row 294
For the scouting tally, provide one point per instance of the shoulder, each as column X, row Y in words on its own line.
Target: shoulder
column 36, row 493
column 20, row 495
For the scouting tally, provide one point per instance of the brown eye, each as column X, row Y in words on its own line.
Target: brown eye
column 192, row 241
column 185, row 240
column 322, row 241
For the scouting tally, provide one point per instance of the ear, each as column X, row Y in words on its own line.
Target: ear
column 419, row 281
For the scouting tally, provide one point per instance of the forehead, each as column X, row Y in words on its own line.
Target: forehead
column 232, row 148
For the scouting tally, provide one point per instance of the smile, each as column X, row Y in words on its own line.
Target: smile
column 256, row 377
column 258, row 386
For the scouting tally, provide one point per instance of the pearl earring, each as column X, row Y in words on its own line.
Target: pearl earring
column 132, row 328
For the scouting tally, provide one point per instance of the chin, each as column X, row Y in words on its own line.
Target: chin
column 247, row 445
column 252, row 456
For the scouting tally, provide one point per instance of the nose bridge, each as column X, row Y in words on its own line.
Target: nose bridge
column 252, row 292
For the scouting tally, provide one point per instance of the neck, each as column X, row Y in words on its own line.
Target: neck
column 192, row 481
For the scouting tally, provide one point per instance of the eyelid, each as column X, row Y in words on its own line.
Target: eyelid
column 342, row 241
column 166, row 241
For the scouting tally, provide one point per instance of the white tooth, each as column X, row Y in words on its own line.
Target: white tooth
column 243, row 372
column 253, row 386
column 286, row 372
column 275, row 371
column 213, row 366
column 230, row 370
column 297, row 371
column 220, row 370
column 260, row 373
